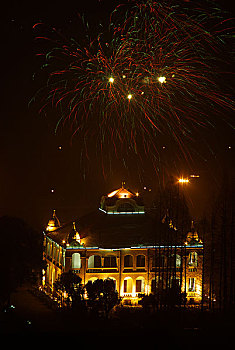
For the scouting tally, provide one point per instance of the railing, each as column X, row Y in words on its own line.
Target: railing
column 131, row 269
column 192, row 269
column 101, row 269
column 129, row 295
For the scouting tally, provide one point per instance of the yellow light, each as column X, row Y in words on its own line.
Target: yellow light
column 182, row 180
column 161, row 79
column 129, row 97
column 137, row 194
column 111, row 79
column 112, row 193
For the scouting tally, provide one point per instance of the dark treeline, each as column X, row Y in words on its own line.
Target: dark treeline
column 21, row 256
column 220, row 251
column 217, row 233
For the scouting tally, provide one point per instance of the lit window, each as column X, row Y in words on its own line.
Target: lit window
column 193, row 259
column 76, row 261
column 94, row 261
column 191, row 284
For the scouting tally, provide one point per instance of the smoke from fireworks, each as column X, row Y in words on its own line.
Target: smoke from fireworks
column 157, row 75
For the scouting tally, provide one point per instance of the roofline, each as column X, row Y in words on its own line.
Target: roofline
column 122, row 212
column 142, row 247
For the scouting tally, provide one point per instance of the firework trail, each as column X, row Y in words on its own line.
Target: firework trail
column 158, row 76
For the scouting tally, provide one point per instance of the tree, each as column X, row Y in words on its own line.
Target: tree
column 21, row 254
column 102, row 295
column 70, row 283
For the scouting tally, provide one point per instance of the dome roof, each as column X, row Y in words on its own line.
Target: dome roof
column 120, row 222
column 53, row 223
column 122, row 200
column 74, row 237
column 192, row 236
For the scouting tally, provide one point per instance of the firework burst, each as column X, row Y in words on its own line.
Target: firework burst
column 157, row 76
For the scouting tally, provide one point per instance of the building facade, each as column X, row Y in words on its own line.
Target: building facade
column 121, row 242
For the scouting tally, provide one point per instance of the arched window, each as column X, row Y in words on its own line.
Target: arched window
column 140, row 261
column 128, row 285
column 128, row 261
column 178, row 260
column 193, row 259
column 49, row 248
column 110, row 261
column 94, row 261
column 76, row 261
column 139, row 287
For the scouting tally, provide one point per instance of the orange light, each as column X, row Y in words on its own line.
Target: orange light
column 183, row 181
column 112, row 193
column 124, row 194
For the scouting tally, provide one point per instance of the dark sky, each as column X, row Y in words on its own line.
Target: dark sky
column 32, row 162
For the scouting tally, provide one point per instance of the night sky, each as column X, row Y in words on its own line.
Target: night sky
column 41, row 171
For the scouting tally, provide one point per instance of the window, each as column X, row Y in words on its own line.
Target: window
column 128, row 261
column 110, row 261
column 191, row 284
column 139, row 288
column 193, row 259
column 174, row 261
column 49, row 246
column 94, row 261
column 127, row 286
column 76, row 261
column 140, row 261
column 178, row 260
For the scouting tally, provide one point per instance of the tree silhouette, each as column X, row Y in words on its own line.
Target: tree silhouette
column 70, row 283
column 102, row 295
column 21, row 254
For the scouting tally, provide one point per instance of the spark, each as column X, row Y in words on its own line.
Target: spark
column 151, row 43
column 161, row 80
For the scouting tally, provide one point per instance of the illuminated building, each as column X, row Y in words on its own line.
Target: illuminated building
column 122, row 242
